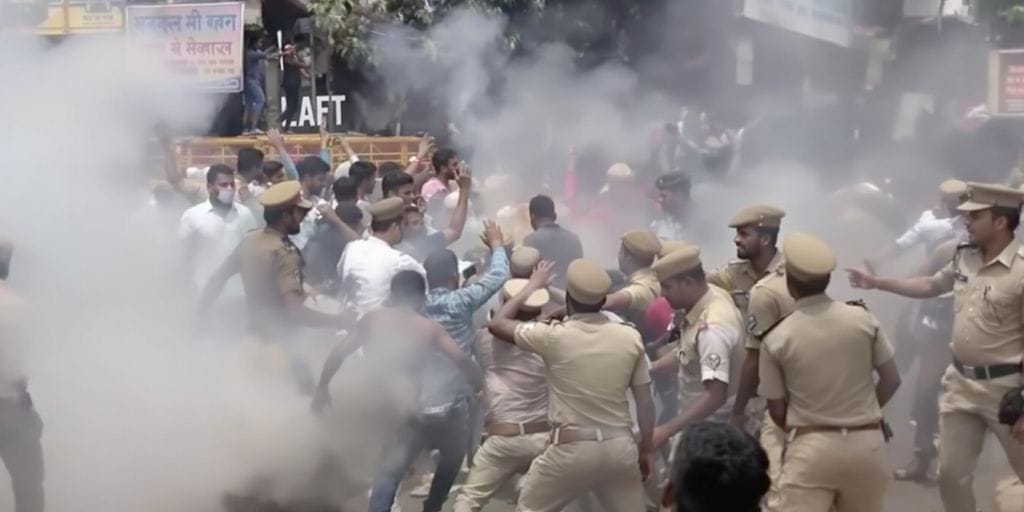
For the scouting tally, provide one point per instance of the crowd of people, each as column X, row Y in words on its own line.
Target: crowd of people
column 662, row 383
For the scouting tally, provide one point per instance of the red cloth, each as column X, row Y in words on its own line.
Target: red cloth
column 658, row 317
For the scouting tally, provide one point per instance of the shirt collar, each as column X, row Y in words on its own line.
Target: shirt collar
column 699, row 307
column 644, row 272
column 812, row 300
column 1006, row 257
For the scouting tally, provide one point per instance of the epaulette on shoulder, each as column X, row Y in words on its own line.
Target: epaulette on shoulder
column 770, row 328
column 735, row 263
column 858, row 303
column 966, row 245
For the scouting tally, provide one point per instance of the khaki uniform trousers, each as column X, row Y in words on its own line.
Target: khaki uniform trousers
column 21, row 450
column 497, row 460
column 967, row 411
column 609, row 469
column 773, row 440
column 835, row 470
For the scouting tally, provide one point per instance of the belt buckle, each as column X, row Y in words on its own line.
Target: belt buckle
column 971, row 372
column 522, row 428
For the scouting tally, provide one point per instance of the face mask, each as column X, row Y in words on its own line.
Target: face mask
column 226, row 195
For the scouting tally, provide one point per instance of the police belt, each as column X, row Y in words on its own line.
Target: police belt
column 562, row 435
column 517, row 429
column 798, row 431
column 986, row 372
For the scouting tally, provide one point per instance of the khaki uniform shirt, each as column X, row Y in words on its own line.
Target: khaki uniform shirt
column 710, row 348
column 770, row 302
column 988, row 321
column 643, row 287
column 821, row 359
column 271, row 268
column 591, row 364
column 738, row 276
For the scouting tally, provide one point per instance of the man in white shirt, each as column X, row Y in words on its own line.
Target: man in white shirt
column 211, row 230
column 934, row 226
column 367, row 266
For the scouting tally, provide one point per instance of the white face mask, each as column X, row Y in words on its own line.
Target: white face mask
column 226, row 195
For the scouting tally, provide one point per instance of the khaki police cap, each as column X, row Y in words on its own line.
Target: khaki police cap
column 534, row 302
column 620, row 172
column 523, row 260
column 677, row 262
column 807, row 257
column 953, row 187
column 286, row 193
column 642, row 242
column 672, row 246
column 387, row 209
column 982, row 196
column 588, row 283
column 761, row 215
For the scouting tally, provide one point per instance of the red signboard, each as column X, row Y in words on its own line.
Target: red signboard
column 1006, row 83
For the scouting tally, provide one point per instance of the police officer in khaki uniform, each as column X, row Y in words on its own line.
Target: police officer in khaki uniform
column 271, row 268
column 710, row 343
column 636, row 254
column 817, row 372
column 592, row 362
column 522, row 261
column 21, row 428
column 517, row 408
column 757, row 230
column 988, row 335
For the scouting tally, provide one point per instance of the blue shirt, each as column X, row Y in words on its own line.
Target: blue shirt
column 443, row 383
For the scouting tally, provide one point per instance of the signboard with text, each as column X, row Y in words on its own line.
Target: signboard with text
column 826, row 20
column 58, row 17
column 199, row 42
column 1006, row 83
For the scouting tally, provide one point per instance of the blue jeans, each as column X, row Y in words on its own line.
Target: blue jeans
column 446, row 433
column 255, row 100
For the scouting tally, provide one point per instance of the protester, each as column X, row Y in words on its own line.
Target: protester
column 211, row 231
column 313, row 173
column 446, row 163
column 365, row 176
column 717, row 468
column 367, row 266
column 419, row 241
column 555, row 243
column 255, row 75
column 297, row 66
column 674, row 200
column 273, row 173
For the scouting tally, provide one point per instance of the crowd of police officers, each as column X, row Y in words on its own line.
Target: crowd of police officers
column 757, row 343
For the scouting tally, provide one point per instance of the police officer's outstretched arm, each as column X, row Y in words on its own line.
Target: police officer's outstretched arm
column 503, row 324
column 920, row 287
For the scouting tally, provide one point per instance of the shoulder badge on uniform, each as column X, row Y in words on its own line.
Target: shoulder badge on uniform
column 859, row 303
column 751, row 322
column 713, row 361
column 735, row 263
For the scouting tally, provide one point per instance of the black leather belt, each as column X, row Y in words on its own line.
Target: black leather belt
column 986, row 372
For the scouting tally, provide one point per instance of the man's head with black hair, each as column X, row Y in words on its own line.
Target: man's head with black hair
column 220, row 184
column 351, row 215
column 445, row 160
column 408, row 289
column 273, row 172
column 542, row 211
column 250, row 164
column 442, row 270
column 718, row 467
column 399, row 184
column 345, row 188
column 387, row 168
column 365, row 175
column 313, row 173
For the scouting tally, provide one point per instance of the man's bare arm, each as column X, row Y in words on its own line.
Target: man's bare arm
column 644, row 416
column 616, row 301
column 777, row 411
column 921, row 287
column 667, row 364
column 714, row 396
column 458, row 221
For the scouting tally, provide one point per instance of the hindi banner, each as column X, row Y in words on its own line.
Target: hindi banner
column 826, row 20
column 200, row 42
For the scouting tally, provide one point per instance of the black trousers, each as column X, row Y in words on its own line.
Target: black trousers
column 293, row 102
